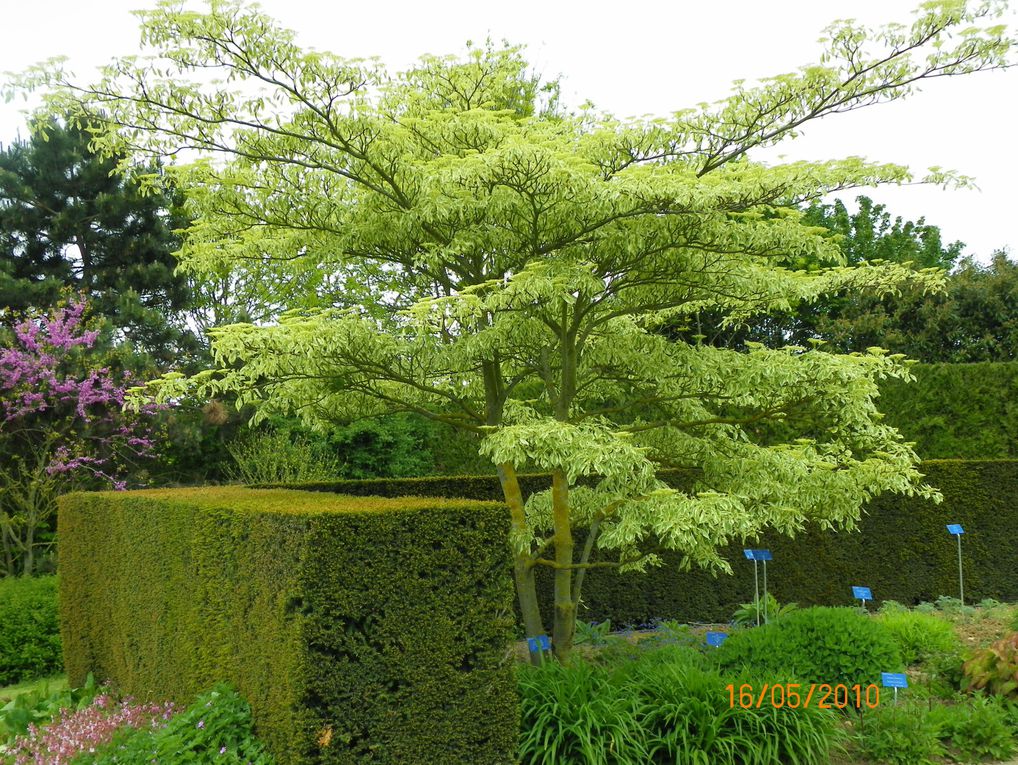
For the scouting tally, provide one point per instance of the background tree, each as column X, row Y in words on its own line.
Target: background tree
column 68, row 220
column 974, row 319
column 61, row 427
column 504, row 266
column 868, row 236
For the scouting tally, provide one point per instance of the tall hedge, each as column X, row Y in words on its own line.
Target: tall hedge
column 957, row 410
column 902, row 550
column 360, row 630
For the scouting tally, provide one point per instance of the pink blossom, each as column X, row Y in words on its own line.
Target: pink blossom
column 76, row 731
column 46, row 386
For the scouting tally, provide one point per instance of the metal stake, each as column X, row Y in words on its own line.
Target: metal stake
column 961, row 576
column 765, row 590
column 756, row 591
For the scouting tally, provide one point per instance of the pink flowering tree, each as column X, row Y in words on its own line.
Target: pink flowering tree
column 62, row 427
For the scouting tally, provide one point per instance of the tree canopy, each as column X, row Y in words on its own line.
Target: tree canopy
column 503, row 265
column 70, row 221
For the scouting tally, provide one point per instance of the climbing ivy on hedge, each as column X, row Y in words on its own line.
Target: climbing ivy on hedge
column 360, row 630
column 901, row 551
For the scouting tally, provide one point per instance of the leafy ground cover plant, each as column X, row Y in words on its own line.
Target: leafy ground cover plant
column 975, row 730
column 687, row 717
column 592, row 633
column 40, row 705
column 665, row 706
column 995, row 668
column 900, row 735
column 215, row 728
column 754, row 612
column 821, row 645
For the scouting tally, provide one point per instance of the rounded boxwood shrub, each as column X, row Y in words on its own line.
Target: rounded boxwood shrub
column 815, row 645
column 29, row 629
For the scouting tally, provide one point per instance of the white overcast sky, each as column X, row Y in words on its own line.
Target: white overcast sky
column 633, row 57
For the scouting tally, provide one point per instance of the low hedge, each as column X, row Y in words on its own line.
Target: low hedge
column 29, row 629
column 902, row 550
column 360, row 630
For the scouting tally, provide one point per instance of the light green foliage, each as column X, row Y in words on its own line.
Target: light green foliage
column 277, row 457
column 919, row 636
column 815, row 645
column 900, row 735
column 690, row 718
column 574, row 715
column 754, row 612
column 503, row 265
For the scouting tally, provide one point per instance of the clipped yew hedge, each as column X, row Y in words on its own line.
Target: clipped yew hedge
column 954, row 411
column 902, row 550
column 361, row 630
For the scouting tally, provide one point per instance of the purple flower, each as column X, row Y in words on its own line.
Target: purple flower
column 47, row 387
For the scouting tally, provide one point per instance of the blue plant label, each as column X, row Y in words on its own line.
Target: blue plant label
column 955, row 528
column 763, row 555
column 862, row 593
column 541, row 642
column 750, row 554
column 893, row 680
column 716, row 638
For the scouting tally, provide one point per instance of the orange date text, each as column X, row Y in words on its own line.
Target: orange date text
column 795, row 695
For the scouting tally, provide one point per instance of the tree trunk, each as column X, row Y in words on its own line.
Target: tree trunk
column 523, row 566
column 28, row 562
column 565, row 606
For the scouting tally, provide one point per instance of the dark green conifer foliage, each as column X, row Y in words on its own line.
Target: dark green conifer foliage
column 68, row 221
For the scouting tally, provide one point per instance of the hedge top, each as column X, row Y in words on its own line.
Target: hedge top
column 291, row 501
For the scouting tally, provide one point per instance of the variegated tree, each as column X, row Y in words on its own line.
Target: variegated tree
column 505, row 266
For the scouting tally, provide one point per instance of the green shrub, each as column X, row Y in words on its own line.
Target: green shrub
column 920, row 636
column 995, row 668
column 29, row 629
column 946, row 672
column 216, row 727
column 356, row 628
column 279, row 457
column 977, row 729
column 900, row 735
column 814, row 645
column 574, row 715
